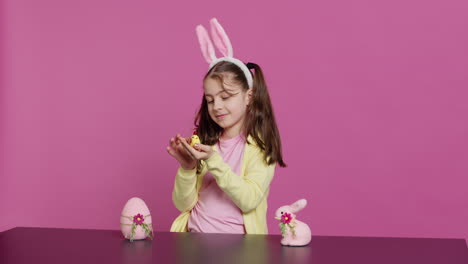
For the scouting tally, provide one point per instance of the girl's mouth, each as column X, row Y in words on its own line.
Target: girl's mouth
column 221, row 116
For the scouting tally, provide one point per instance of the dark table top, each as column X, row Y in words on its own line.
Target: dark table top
column 54, row 245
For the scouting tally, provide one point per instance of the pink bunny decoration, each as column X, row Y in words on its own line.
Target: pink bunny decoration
column 222, row 42
column 295, row 232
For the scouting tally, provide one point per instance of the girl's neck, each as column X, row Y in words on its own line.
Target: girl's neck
column 229, row 134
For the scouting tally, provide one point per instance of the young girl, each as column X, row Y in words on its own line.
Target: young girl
column 222, row 185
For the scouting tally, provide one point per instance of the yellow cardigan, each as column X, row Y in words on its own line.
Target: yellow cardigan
column 249, row 190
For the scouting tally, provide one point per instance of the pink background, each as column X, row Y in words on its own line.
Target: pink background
column 370, row 99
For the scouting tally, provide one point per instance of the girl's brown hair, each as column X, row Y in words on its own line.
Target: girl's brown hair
column 260, row 121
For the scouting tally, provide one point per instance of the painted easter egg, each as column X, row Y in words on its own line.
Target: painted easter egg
column 135, row 220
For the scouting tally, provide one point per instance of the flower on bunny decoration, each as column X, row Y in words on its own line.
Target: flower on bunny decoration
column 286, row 218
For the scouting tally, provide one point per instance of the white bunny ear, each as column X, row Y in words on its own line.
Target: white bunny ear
column 299, row 205
column 220, row 38
column 205, row 44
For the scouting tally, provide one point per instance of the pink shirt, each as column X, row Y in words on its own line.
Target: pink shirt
column 215, row 212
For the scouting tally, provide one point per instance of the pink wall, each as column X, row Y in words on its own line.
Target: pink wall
column 3, row 177
column 370, row 98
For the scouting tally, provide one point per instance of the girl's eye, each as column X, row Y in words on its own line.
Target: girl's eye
column 224, row 98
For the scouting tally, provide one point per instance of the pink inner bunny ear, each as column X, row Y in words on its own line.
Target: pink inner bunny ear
column 205, row 44
column 220, row 38
column 298, row 205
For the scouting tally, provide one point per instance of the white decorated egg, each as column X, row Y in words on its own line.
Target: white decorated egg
column 136, row 216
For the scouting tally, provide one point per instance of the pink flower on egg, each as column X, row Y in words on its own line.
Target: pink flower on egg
column 286, row 218
column 138, row 219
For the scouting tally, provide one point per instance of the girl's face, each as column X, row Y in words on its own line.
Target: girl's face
column 227, row 109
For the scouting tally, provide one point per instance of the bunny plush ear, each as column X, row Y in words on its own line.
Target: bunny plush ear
column 220, row 38
column 222, row 42
column 205, row 44
column 299, row 205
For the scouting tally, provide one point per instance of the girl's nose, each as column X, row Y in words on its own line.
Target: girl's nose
column 217, row 104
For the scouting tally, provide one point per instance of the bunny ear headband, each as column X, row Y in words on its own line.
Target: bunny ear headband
column 222, row 42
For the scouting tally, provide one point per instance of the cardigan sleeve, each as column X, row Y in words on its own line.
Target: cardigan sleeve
column 184, row 194
column 246, row 192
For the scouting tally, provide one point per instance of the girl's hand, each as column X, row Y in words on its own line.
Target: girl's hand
column 178, row 151
column 198, row 151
